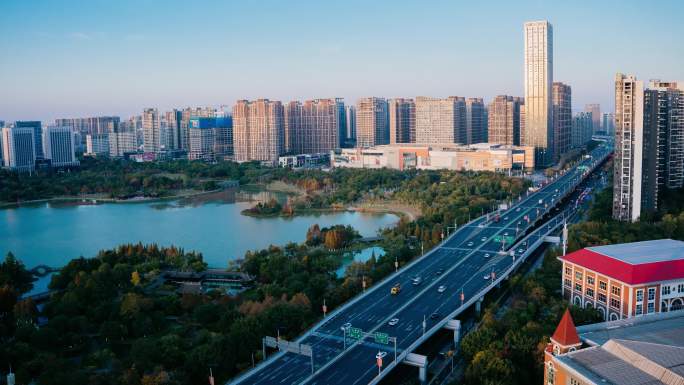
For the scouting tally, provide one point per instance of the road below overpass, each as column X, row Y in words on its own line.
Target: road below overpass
column 465, row 265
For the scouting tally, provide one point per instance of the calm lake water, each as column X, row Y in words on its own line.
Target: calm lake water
column 54, row 233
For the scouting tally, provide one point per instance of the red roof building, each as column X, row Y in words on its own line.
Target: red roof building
column 565, row 337
column 626, row 280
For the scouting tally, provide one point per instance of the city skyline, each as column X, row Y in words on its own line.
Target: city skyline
column 135, row 61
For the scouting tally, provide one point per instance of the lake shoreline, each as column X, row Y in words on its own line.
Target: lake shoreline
column 98, row 200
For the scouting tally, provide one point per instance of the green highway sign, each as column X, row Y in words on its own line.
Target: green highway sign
column 507, row 238
column 355, row 333
column 381, row 338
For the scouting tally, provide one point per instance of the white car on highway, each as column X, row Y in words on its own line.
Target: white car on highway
column 441, row 289
column 487, row 276
column 393, row 322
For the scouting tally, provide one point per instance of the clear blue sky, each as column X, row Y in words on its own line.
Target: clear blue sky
column 91, row 57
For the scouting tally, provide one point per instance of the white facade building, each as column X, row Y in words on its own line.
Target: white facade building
column 59, row 146
column 18, row 149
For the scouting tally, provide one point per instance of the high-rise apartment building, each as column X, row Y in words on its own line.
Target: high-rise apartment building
column 581, row 129
column 341, row 122
column 402, row 120
column 259, row 130
column 92, row 125
column 122, row 143
column 538, row 81
column 649, row 144
column 18, row 148
column 595, row 110
column 170, row 127
column 608, row 124
column 441, row 121
column 293, row 121
column 59, row 146
column 629, row 142
column 372, row 122
column 504, row 120
column 201, row 132
column 97, row 145
column 664, row 113
column 315, row 126
column 476, row 121
column 37, row 128
column 151, row 130
column 186, row 115
column 562, row 119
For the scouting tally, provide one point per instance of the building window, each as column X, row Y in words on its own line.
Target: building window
column 590, row 292
column 651, row 293
column 550, row 374
column 567, row 282
column 680, row 288
column 615, row 290
column 602, row 285
column 639, row 295
column 651, row 307
column 578, row 275
column 590, row 280
column 665, row 290
column 574, row 381
column 639, row 309
column 601, row 297
column 615, row 303
column 568, row 271
column 578, row 287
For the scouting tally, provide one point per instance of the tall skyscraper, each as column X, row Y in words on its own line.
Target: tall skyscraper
column 59, row 146
column 441, row 120
column 629, row 142
column 402, row 120
column 562, row 119
column 151, row 130
column 476, row 122
column 595, row 110
column 538, row 81
column 37, row 135
column 504, row 120
column 372, row 122
column 18, row 148
column 351, row 126
column 259, row 130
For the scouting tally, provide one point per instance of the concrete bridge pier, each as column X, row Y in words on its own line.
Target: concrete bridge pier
column 421, row 362
column 455, row 325
column 478, row 305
